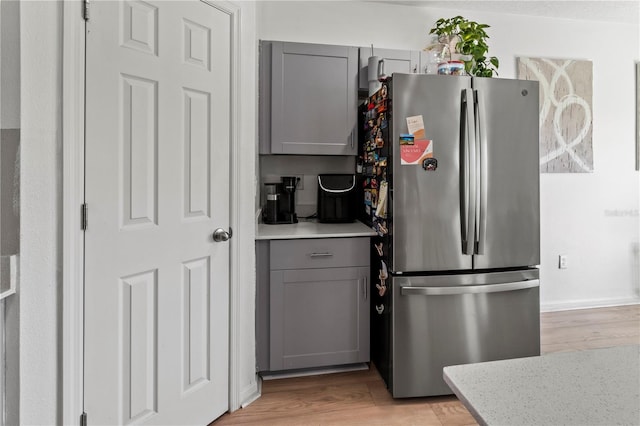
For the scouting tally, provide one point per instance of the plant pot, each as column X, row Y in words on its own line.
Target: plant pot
column 461, row 57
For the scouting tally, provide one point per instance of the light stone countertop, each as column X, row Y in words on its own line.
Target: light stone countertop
column 592, row 387
column 313, row 229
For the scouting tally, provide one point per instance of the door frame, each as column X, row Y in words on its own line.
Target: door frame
column 73, row 131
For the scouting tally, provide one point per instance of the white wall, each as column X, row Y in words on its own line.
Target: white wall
column 41, row 85
column 592, row 218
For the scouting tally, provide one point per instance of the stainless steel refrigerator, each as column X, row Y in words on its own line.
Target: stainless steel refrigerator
column 456, row 207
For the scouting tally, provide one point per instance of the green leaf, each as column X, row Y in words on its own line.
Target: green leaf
column 478, row 52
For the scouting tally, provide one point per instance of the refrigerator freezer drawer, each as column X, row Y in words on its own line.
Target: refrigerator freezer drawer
column 460, row 319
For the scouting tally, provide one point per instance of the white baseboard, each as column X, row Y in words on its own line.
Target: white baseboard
column 250, row 393
column 589, row 303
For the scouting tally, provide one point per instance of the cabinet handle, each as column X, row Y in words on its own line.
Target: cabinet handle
column 321, row 254
column 364, row 288
column 351, row 139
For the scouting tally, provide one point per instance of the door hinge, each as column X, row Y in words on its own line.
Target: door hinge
column 85, row 10
column 84, row 219
column 83, row 419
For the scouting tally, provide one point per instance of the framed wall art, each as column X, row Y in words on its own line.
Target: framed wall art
column 566, row 112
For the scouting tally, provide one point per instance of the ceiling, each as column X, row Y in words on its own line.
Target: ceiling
column 627, row 12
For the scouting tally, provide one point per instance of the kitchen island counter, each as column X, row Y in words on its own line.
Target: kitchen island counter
column 313, row 229
column 592, row 387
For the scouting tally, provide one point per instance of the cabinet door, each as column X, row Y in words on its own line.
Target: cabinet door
column 406, row 61
column 313, row 99
column 319, row 317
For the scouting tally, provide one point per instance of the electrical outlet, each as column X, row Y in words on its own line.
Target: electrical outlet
column 300, row 185
column 562, row 261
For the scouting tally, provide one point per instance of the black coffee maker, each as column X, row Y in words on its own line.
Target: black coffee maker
column 281, row 201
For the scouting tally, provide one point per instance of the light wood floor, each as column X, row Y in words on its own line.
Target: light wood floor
column 361, row 398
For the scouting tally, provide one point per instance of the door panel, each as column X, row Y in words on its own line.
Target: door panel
column 139, row 302
column 509, row 220
column 425, row 206
column 139, row 153
column 156, row 285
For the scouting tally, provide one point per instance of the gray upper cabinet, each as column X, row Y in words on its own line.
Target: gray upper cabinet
column 308, row 99
column 406, row 61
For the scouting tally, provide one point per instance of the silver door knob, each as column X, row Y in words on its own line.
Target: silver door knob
column 220, row 235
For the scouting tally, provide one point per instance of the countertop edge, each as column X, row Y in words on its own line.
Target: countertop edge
column 468, row 405
column 310, row 236
column 309, row 230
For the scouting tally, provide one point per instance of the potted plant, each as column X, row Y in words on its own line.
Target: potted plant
column 469, row 40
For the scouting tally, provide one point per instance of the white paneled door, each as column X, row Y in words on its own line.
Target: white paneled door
column 157, row 187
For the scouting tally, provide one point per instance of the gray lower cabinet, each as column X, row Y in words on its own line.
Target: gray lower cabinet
column 318, row 303
column 319, row 317
column 309, row 95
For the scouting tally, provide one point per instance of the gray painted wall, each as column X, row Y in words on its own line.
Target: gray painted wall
column 9, row 191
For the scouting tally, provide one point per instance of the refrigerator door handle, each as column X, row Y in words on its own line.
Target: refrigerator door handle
column 464, row 172
column 481, row 137
column 468, row 289
column 468, row 193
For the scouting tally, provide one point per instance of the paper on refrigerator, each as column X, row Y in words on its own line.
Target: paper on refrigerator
column 416, row 153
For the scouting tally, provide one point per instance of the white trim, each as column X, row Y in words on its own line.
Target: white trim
column 587, row 304
column 233, row 10
column 73, row 42
column 234, row 200
column 245, row 163
column 251, row 393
